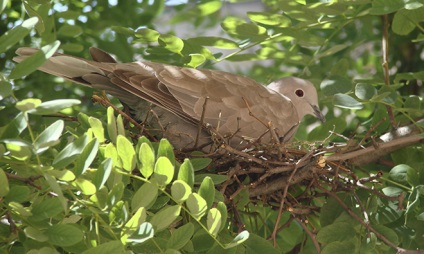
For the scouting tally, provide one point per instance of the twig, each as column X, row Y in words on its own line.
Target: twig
column 372, row 153
column 283, row 199
column 368, row 134
column 385, row 51
column 106, row 103
column 200, row 125
column 311, row 235
column 242, row 154
column 28, row 180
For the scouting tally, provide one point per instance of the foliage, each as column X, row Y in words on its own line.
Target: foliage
column 83, row 183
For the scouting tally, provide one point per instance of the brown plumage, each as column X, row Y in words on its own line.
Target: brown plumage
column 237, row 107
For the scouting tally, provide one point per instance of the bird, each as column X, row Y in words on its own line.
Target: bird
column 193, row 107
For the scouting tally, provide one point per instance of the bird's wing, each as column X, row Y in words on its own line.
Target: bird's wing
column 233, row 102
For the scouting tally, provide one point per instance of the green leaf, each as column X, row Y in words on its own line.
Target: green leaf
column 35, row 234
column 97, row 127
column 214, row 221
column 102, row 173
column 171, row 43
column 63, row 175
column 399, row 173
column 186, row 173
column 86, row 157
column 345, row 101
column 118, row 214
column 18, row 209
column 335, row 85
column 49, row 137
column 126, row 153
column 18, row 194
column 244, row 57
column 207, row 191
column 405, row 21
column 196, row 205
column 163, row 172
column 4, row 184
column 115, row 195
column 46, row 209
column 133, row 224
column 340, row 231
column 200, row 163
column 180, row 237
column 123, row 30
column 206, row 8
column 347, row 247
column 3, row 4
column 51, row 107
column 380, row 7
column 392, row 191
column 10, row 38
column 165, row 149
column 412, row 176
column 34, row 61
column 64, row 235
column 165, row 217
column 147, row 35
column 144, row 233
column 271, row 19
column 72, row 47
column 216, row 42
column 238, row 28
column 57, row 190
column 120, row 125
column 180, row 191
column 18, row 149
column 111, row 125
column 70, row 30
column 224, row 214
column 365, row 91
column 146, row 156
column 86, row 186
column 145, row 196
column 70, row 152
column 333, row 50
column 27, row 104
column 195, row 60
column 115, row 247
column 5, row 89
column 217, row 179
column 239, row 239
column 389, row 233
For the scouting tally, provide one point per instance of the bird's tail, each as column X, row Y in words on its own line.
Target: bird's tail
column 93, row 73
column 70, row 67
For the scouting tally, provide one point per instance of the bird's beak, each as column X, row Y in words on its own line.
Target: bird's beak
column 318, row 113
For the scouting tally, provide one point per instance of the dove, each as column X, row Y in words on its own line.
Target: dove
column 191, row 107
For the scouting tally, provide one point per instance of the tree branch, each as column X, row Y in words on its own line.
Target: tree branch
column 388, row 143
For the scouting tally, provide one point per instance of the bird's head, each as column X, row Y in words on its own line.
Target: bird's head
column 302, row 93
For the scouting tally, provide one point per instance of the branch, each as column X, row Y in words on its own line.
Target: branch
column 388, row 143
column 385, row 51
column 280, row 183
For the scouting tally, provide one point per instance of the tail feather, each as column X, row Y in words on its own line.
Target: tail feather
column 68, row 67
column 94, row 74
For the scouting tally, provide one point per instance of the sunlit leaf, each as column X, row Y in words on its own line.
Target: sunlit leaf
column 345, row 101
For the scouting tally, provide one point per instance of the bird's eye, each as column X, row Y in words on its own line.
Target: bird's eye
column 299, row 92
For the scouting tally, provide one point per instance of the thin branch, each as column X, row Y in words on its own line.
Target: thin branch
column 311, row 235
column 283, row 199
column 385, row 51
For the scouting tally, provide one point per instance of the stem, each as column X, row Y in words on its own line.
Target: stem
column 385, row 52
